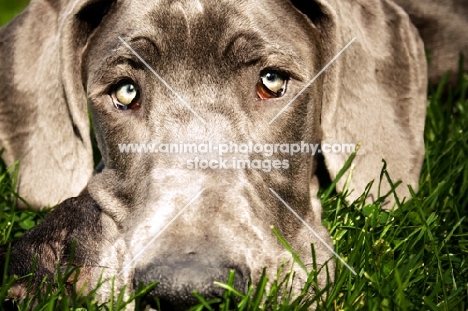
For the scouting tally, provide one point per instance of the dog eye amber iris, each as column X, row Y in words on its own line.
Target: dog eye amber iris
column 126, row 96
column 271, row 84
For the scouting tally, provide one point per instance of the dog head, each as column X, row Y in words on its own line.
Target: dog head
column 252, row 74
column 205, row 73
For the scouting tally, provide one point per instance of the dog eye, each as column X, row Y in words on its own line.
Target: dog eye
column 126, row 96
column 271, row 84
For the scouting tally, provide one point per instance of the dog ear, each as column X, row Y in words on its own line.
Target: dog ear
column 443, row 32
column 43, row 109
column 374, row 93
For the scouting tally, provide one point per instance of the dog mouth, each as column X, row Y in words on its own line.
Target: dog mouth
column 161, row 299
column 166, row 305
column 152, row 303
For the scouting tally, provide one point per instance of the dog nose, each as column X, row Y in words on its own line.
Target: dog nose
column 178, row 279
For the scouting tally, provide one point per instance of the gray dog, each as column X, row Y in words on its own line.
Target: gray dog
column 273, row 73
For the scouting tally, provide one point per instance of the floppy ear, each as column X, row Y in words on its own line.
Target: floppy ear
column 442, row 26
column 43, row 109
column 374, row 93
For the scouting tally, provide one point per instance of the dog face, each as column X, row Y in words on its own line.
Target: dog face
column 209, row 72
column 212, row 57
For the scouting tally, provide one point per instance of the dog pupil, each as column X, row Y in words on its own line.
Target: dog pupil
column 271, row 76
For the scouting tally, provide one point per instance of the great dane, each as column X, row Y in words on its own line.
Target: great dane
column 274, row 73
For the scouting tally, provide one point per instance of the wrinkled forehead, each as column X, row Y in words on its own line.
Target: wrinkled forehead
column 206, row 27
column 222, row 14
